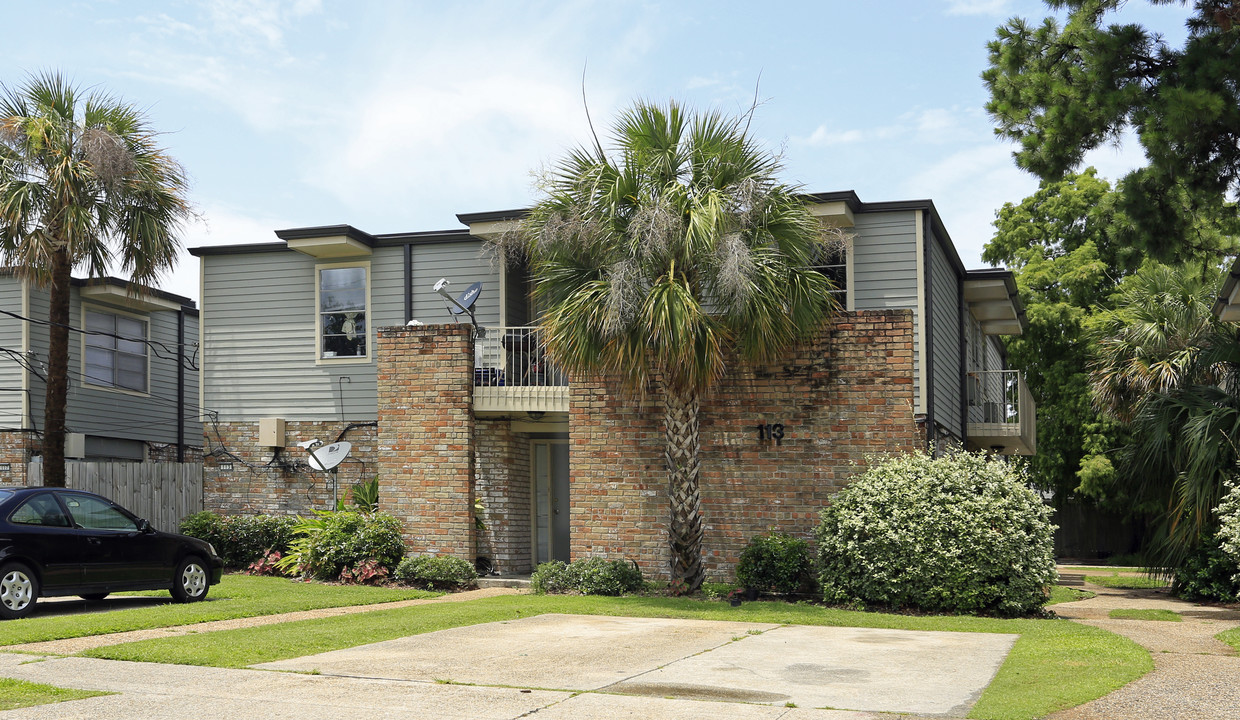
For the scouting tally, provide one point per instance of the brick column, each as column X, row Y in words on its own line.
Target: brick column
column 426, row 431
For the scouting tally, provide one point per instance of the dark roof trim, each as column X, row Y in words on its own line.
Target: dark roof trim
column 492, row 216
column 422, row 238
column 237, row 249
column 327, row 231
column 126, row 285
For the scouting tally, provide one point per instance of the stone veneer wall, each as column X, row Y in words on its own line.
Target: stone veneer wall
column 237, row 479
column 845, row 397
column 426, row 435
column 502, row 482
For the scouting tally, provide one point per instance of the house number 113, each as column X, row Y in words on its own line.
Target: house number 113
column 769, row 431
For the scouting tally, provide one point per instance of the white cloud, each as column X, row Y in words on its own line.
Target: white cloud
column 977, row 7
column 822, row 137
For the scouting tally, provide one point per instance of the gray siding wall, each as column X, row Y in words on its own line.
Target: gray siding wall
column 259, row 328
column 885, row 270
column 945, row 327
column 150, row 417
column 10, row 369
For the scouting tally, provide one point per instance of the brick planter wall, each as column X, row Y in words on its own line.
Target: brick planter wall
column 426, row 435
column 844, row 397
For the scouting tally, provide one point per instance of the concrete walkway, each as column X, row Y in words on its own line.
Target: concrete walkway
column 1195, row 677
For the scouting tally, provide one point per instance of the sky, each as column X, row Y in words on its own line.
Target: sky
column 395, row 116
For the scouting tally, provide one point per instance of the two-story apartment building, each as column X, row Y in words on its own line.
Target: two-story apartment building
column 133, row 382
column 316, row 336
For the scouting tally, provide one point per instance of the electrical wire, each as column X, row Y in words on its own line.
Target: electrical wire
column 190, row 363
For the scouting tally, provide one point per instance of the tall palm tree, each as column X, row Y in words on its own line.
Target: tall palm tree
column 82, row 184
column 1165, row 364
column 665, row 258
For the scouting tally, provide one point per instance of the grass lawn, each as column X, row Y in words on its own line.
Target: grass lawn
column 1062, row 594
column 20, row 694
column 1148, row 614
column 237, row 596
column 1139, row 582
column 1231, row 637
column 1054, row 664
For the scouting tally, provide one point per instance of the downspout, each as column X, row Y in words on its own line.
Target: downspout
column 931, row 432
column 181, row 385
column 964, row 369
column 408, row 262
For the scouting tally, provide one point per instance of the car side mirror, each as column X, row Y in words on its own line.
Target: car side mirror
column 145, row 526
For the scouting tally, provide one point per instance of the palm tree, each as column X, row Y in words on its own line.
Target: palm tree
column 82, row 184
column 1165, row 364
column 663, row 260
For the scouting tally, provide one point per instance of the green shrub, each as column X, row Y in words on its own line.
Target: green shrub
column 1228, row 512
column 329, row 542
column 960, row 533
column 437, row 572
column 589, row 576
column 1208, row 573
column 775, row 562
column 241, row 539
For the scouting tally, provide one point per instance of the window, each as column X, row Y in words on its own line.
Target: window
column 832, row 261
column 40, row 510
column 110, row 360
column 95, row 514
column 343, row 295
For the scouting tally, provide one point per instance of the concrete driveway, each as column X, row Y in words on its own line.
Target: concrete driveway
column 560, row 666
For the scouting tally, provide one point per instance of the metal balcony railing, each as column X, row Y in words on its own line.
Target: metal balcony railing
column 514, row 357
column 1000, row 405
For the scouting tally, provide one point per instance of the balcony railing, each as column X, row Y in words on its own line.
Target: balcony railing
column 513, row 373
column 1002, row 414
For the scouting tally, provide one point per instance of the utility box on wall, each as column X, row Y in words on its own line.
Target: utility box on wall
column 271, row 432
column 75, row 445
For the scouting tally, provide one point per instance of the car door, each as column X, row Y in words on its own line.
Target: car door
column 118, row 553
column 44, row 533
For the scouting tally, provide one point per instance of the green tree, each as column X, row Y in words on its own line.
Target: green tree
column 82, row 184
column 661, row 261
column 1164, row 363
column 1062, row 90
column 1065, row 244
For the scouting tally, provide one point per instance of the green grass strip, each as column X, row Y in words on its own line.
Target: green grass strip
column 1145, row 614
column 1101, row 568
column 19, row 694
column 1055, row 664
column 1120, row 582
column 237, row 596
column 1231, row 637
column 1062, row 594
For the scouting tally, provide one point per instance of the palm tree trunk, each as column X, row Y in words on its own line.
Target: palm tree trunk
column 683, row 444
column 57, row 371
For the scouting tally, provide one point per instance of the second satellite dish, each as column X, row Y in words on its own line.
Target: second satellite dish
column 329, row 456
column 467, row 299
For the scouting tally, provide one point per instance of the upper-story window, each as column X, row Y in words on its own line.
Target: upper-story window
column 832, row 260
column 342, row 299
column 115, row 351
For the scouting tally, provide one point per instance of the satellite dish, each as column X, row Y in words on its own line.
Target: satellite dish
column 467, row 299
column 329, row 456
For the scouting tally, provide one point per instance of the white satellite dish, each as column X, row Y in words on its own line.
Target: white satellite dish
column 329, row 456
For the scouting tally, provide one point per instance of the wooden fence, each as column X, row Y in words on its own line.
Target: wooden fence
column 163, row 493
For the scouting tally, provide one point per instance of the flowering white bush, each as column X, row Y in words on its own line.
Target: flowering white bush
column 1228, row 512
column 960, row 533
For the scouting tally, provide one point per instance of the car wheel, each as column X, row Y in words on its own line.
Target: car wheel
column 94, row 596
column 190, row 582
column 19, row 588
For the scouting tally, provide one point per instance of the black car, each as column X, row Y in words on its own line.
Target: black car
column 56, row 541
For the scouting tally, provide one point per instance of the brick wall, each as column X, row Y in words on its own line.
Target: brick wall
column 240, row 477
column 502, row 482
column 426, row 435
column 16, row 447
column 844, row 397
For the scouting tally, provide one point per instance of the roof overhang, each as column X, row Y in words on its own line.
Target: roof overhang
column 1227, row 307
column 123, row 294
column 330, row 241
column 492, row 224
column 835, row 214
column 991, row 298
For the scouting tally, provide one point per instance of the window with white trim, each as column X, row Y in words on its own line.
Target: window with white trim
column 115, row 351
column 831, row 259
column 342, row 312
